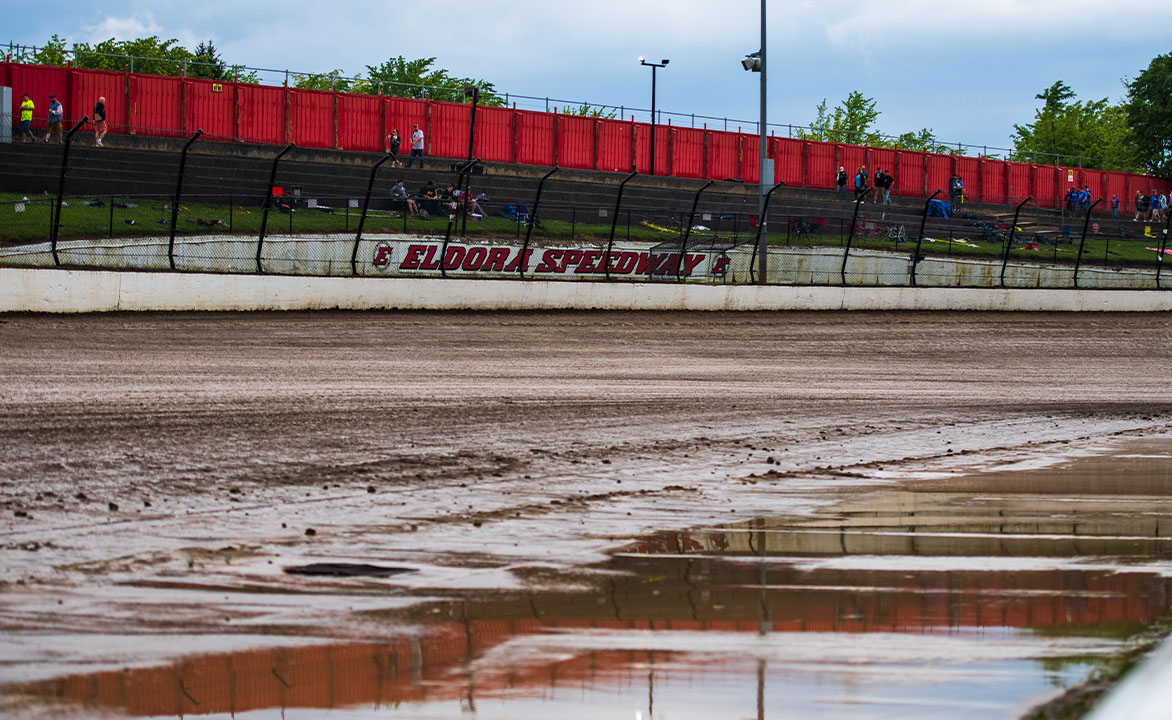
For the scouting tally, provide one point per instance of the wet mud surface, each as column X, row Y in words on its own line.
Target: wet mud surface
column 603, row 514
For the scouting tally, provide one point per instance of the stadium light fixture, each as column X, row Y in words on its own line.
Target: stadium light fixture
column 654, row 66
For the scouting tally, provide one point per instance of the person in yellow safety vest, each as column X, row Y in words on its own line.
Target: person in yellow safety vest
column 26, row 119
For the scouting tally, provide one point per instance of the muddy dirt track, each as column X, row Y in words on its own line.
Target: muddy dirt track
column 147, row 455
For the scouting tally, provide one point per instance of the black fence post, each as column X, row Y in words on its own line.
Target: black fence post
column 757, row 240
column 688, row 231
column 56, row 229
column 264, row 220
column 851, row 235
column 464, row 170
column 532, row 222
column 924, row 221
column 1163, row 246
column 362, row 217
column 1085, row 224
column 1009, row 241
column 178, row 193
column 614, row 221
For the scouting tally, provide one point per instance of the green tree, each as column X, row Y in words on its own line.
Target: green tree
column 1149, row 113
column 149, row 55
column 416, row 79
column 923, row 141
column 53, row 52
column 333, row 80
column 849, row 122
column 207, row 63
column 1066, row 131
column 592, row 111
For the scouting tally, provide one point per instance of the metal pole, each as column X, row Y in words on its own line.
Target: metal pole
column 1085, row 223
column 923, row 221
column 762, row 245
column 757, row 242
column 1009, row 242
column 1163, row 246
column 56, row 230
column 362, row 217
column 688, row 231
column 464, row 170
column 851, row 234
column 178, row 193
column 653, row 69
column 532, row 222
column 614, row 221
column 264, row 221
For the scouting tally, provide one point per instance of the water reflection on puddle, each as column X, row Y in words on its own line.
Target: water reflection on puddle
column 971, row 598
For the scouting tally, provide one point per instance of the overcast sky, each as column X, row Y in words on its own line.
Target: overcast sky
column 968, row 71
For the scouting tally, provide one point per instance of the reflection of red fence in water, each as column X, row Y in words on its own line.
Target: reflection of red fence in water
column 239, row 112
column 433, row 665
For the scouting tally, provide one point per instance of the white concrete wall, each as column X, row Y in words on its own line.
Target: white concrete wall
column 72, row 291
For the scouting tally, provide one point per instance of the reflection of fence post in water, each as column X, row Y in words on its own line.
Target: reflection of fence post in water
column 178, row 194
column 757, row 240
column 1009, row 242
column 851, row 236
column 532, row 222
column 1085, row 224
column 614, row 221
column 920, row 238
column 688, row 231
column 264, row 220
column 55, row 231
column 362, row 217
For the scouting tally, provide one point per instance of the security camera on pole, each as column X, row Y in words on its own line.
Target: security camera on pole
column 755, row 62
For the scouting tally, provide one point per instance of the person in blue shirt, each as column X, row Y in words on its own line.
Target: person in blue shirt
column 860, row 183
column 1115, row 206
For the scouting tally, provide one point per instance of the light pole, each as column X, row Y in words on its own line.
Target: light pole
column 654, row 67
column 755, row 62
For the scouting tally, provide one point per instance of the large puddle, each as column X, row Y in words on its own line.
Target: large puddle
column 973, row 597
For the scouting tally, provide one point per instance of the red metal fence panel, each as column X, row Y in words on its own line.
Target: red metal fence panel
column 909, row 176
column 494, row 134
column 403, row 114
column 156, row 105
column 1045, row 190
column 261, row 113
column 643, row 148
column 39, row 81
column 1093, row 179
column 614, row 145
column 938, row 168
column 575, row 142
column 821, row 167
column 723, row 161
column 450, row 124
column 787, row 161
column 883, row 159
column 359, row 123
column 969, row 169
column 1018, row 183
column 536, row 143
column 311, row 118
column 750, row 158
column 213, row 112
column 687, row 152
column 1115, row 183
column 993, row 181
column 89, row 85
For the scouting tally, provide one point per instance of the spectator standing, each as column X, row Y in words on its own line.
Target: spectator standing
column 1141, row 206
column 879, row 180
column 99, row 121
column 1084, row 201
column 1115, row 206
column 840, row 181
column 416, row 147
column 393, row 143
column 26, row 119
column 56, row 116
column 888, row 181
column 860, row 183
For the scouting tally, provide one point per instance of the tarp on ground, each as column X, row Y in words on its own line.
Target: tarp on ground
column 939, row 208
